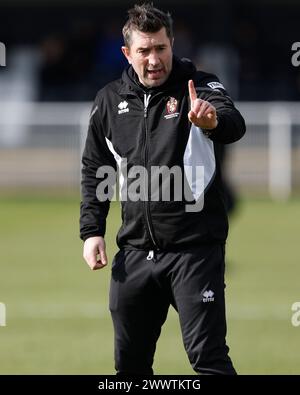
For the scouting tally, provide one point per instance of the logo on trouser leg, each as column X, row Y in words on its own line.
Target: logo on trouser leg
column 208, row 296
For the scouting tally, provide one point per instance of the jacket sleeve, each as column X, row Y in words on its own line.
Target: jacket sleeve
column 231, row 125
column 93, row 212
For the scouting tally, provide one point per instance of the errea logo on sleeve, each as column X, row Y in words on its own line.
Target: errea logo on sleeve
column 215, row 85
column 123, row 107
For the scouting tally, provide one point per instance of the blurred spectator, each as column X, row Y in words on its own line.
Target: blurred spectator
column 222, row 60
column 54, row 67
column 67, row 63
column 183, row 42
column 109, row 60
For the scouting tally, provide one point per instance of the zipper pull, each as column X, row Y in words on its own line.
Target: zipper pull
column 146, row 102
column 150, row 255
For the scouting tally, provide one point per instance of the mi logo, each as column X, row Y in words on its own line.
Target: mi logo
column 208, row 296
column 2, row 314
column 2, row 54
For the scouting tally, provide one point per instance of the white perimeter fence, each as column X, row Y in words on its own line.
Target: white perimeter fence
column 41, row 145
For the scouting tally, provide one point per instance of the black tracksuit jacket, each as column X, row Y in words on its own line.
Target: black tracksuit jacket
column 150, row 127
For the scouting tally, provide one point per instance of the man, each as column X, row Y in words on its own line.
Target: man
column 162, row 112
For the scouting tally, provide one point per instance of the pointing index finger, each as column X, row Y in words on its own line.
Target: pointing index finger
column 192, row 90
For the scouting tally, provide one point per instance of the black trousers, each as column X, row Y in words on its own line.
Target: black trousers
column 142, row 288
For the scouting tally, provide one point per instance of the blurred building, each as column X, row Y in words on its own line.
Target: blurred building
column 78, row 43
column 64, row 52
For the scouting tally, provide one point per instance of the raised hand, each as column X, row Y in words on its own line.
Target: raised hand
column 202, row 113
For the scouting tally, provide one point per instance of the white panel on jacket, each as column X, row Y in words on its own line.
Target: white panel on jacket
column 199, row 161
column 121, row 163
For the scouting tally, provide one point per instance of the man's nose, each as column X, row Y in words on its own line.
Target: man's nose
column 153, row 59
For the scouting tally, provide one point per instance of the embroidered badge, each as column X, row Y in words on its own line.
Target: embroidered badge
column 171, row 108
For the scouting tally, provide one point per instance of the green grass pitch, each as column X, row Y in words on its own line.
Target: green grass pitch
column 58, row 320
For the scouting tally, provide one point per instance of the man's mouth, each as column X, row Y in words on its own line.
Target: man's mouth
column 155, row 73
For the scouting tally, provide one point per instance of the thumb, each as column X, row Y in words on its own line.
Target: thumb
column 102, row 254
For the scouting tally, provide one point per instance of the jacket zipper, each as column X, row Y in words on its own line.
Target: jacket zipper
column 146, row 198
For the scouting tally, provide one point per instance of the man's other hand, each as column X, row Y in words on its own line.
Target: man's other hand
column 94, row 252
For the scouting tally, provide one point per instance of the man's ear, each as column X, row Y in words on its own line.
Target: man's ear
column 126, row 53
column 172, row 42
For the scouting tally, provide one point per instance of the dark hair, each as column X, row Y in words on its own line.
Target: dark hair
column 147, row 19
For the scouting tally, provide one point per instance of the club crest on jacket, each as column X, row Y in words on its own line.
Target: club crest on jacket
column 171, row 105
column 172, row 108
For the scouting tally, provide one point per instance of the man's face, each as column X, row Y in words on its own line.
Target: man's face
column 151, row 56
